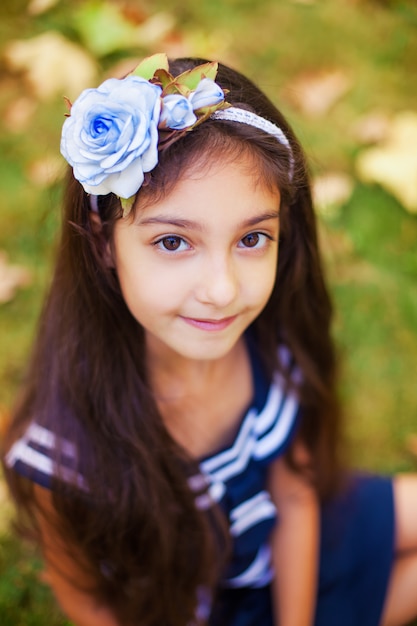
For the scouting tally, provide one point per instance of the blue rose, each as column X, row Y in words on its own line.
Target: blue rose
column 177, row 112
column 207, row 94
column 111, row 137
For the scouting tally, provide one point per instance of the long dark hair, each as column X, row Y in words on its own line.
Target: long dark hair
column 147, row 546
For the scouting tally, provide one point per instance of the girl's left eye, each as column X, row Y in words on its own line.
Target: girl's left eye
column 172, row 243
column 254, row 240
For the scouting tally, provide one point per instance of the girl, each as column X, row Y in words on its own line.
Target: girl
column 175, row 449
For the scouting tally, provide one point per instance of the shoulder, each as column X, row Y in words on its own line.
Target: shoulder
column 42, row 457
column 268, row 427
column 277, row 421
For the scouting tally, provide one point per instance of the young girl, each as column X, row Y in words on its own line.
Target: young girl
column 175, row 449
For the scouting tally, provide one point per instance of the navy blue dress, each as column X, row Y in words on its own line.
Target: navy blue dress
column 357, row 528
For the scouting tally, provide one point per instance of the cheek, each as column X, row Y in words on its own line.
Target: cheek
column 262, row 284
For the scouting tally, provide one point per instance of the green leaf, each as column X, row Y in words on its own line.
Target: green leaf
column 191, row 78
column 174, row 87
column 163, row 77
column 127, row 204
column 204, row 112
column 147, row 68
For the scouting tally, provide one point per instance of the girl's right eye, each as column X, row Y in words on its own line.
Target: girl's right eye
column 172, row 243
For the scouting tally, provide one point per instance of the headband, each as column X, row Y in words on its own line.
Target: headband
column 234, row 114
column 112, row 134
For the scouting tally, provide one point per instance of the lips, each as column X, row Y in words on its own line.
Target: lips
column 210, row 324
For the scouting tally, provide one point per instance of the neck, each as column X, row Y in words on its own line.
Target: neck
column 173, row 376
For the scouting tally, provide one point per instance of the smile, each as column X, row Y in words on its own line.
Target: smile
column 210, row 325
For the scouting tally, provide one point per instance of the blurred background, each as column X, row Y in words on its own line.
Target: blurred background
column 344, row 72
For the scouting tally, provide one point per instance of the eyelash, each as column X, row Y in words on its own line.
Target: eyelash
column 262, row 236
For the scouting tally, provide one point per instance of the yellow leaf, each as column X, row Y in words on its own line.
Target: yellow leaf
column 191, row 78
column 393, row 163
column 147, row 68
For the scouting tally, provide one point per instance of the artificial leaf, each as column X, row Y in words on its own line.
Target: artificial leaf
column 127, row 204
column 147, row 68
column 205, row 112
column 163, row 77
column 191, row 78
column 174, row 87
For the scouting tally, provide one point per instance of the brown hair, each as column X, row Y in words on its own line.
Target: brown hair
column 147, row 544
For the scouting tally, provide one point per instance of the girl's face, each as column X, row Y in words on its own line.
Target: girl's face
column 197, row 267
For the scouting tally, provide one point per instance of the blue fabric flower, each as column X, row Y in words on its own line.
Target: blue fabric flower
column 207, row 94
column 111, row 137
column 177, row 112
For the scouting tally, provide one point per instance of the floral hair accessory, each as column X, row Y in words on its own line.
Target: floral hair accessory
column 112, row 135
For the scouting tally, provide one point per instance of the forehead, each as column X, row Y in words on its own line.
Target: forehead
column 238, row 164
column 224, row 194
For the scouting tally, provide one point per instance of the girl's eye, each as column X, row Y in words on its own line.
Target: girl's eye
column 172, row 243
column 254, row 240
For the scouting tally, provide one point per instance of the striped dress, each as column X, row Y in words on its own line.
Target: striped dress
column 357, row 528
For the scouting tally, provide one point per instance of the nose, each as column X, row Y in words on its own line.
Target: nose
column 217, row 283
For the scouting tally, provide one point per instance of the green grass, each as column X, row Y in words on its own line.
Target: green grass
column 24, row 601
column 369, row 247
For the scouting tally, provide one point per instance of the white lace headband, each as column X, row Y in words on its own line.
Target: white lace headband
column 233, row 114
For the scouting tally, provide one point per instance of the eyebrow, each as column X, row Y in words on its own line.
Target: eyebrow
column 172, row 220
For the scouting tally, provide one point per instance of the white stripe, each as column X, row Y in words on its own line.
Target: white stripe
column 216, row 490
column 265, row 510
column 245, row 507
column 259, row 423
column 234, row 460
column 277, row 436
column 238, row 465
column 230, row 454
column 203, row 502
column 259, row 568
column 268, row 415
column 45, row 438
column 21, row 451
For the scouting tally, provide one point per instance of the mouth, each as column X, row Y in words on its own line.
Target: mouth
column 210, row 324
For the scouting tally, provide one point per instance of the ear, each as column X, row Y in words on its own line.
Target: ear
column 102, row 242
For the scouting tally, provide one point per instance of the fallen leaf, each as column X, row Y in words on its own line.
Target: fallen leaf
column 37, row 7
column 52, row 64
column 330, row 192
column 411, row 444
column 19, row 114
column 103, row 27
column 393, row 164
column 371, row 128
column 315, row 94
column 155, row 28
column 4, row 420
column 46, row 171
column 6, row 509
column 12, row 277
